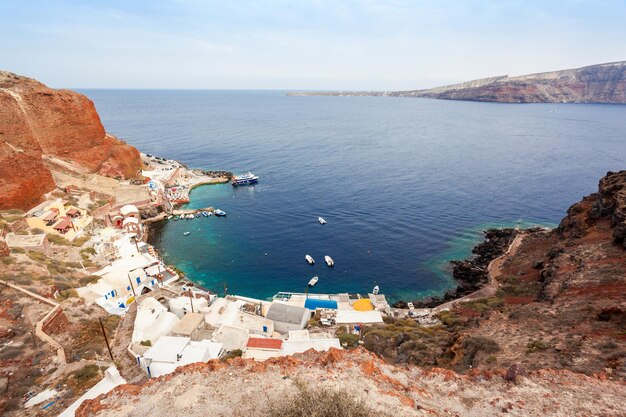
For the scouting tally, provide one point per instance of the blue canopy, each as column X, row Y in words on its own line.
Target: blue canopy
column 314, row 304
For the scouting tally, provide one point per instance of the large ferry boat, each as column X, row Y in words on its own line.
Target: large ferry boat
column 245, row 179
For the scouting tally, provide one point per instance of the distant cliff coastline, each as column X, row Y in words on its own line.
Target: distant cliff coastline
column 602, row 83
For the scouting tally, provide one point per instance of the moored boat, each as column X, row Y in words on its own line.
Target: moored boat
column 309, row 259
column 219, row 212
column 321, row 220
column 197, row 215
column 313, row 281
column 329, row 261
column 245, row 179
column 205, row 213
column 376, row 290
column 186, row 233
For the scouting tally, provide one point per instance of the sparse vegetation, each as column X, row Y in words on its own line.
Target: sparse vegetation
column 232, row 354
column 145, row 343
column 319, row 402
column 58, row 240
column 536, row 345
column 78, row 242
column 36, row 256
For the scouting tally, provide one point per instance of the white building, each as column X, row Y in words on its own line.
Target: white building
column 169, row 352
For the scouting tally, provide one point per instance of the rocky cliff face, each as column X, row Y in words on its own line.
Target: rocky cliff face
column 39, row 124
column 604, row 83
column 355, row 383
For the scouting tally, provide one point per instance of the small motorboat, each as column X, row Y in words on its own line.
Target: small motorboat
column 219, row 213
column 190, row 217
column 329, row 261
column 313, row 281
column 197, row 215
column 169, row 217
column 375, row 290
column 205, row 213
column 310, row 259
column 321, row 220
column 175, row 218
column 186, row 234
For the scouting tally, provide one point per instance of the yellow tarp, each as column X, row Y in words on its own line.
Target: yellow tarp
column 363, row 304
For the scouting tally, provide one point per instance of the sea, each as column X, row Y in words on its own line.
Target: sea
column 405, row 184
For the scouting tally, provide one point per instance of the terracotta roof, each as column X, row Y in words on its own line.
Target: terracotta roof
column 72, row 211
column 264, row 343
column 63, row 224
column 50, row 216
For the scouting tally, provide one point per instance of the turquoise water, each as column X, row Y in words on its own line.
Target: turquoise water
column 405, row 184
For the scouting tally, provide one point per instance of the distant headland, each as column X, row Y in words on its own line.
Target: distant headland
column 602, row 83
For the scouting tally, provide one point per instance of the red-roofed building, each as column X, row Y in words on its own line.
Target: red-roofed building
column 264, row 343
column 63, row 225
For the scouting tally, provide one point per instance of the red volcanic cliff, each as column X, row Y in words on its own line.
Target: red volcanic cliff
column 37, row 122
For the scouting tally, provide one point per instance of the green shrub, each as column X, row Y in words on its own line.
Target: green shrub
column 86, row 373
column 36, row 256
column 83, row 281
column 65, row 294
column 536, row 345
column 349, row 340
column 80, row 241
column 18, row 250
column 145, row 343
column 58, row 240
column 491, row 359
column 8, row 260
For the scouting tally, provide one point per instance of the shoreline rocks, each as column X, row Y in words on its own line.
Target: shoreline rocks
column 471, row 273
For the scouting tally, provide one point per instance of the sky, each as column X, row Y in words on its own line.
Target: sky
column 302, row 44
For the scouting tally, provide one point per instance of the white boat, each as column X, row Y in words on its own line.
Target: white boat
column 375, row 290
column 310, row 259
column 313, row 281
column 219, row 212
column 186, row 234
column 190, row 216
column 329, row 261
column 321, row 220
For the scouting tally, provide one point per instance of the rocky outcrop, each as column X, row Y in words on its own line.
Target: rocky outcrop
column 38, row 125
column 244, row 387
column 603, row 83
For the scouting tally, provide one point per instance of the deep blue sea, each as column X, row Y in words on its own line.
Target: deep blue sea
column 405, row 184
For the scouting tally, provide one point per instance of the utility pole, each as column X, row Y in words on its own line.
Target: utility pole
column 131, row 285
column 106, row 339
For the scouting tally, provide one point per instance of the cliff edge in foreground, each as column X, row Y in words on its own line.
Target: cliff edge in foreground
column 40, row 127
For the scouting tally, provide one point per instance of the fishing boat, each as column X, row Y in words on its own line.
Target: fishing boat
column 245, row 179
column 376, row 290
column 219, row 213
column 310, row 259
column 186, row 233
column 329, row 261
column 313, row 281
column 321, row 220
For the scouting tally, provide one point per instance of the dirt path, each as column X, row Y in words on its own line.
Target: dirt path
column 494, row 270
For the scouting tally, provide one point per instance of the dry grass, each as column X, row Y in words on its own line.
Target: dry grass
column 318, row 402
